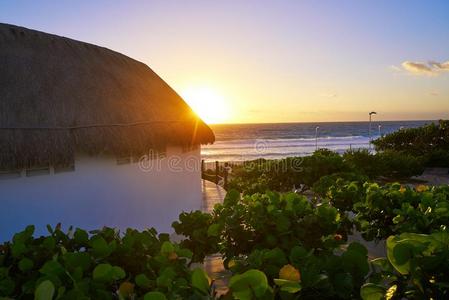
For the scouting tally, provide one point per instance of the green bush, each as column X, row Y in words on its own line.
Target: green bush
column 363, row 162
column 399, row 165
column 285, row 174
column 416, row 267
column 273, row 232
column 98, row 265
column 304, row 172
column 417, row 141
column 437, row 159
column 200, row 232
column 394, row 209
column 390, row 164
column 276, row 245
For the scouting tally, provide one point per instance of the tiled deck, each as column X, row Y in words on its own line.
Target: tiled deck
column 213, row 194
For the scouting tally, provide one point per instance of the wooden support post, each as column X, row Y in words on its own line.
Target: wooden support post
column 216, row 171
column 202, row 167
column 225, row 183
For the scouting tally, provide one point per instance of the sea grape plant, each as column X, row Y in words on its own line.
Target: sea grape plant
column 102, row 264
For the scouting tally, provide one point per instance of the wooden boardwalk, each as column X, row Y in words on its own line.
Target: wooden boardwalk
column 213, row 264
column 212, row 194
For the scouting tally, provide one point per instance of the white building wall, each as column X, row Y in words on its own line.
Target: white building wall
column 102, row 193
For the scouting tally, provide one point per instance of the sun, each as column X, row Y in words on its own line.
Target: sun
column 207, row 103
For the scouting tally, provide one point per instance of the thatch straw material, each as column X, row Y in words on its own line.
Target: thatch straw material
column 59, row 96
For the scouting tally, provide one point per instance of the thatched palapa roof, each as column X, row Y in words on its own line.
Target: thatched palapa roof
column 59, row 96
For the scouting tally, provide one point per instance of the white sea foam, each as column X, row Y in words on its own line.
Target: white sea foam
column 237, row 150
column 237, row 142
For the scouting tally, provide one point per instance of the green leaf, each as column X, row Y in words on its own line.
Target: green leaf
column 25, row 264
column 184, row 253
column 399, row 254
column 7, row 286
column 357, row 247
column 275, row 256
column 44, row 291
column 117, row 273
column 166, row 277
column 371, row 291
column 154, row 296
column 213, row 230
column 298, row 254
column 52, row 268
column 18, row 248
column 100, row 247
column 24, row 235
column 232, row 197
column 77, row 260
column 167, row 248
column 81, row 237
column 102, row 272
column 61, row 291
column 382, row 263
column 108, row 273
column 49, row 243
column 355, row 261
column 201, row 281
column 291, row 287
column 246, row 286
column 142, row 280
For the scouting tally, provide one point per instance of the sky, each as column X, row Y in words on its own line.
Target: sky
column 258, row 61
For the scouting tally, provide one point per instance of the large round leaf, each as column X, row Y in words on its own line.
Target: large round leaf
column 252, row 283
column 201, row 281
column 399, row 253
column 371, row 291
column 44, row 291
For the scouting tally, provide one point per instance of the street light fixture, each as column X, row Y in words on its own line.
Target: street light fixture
column 369, row 130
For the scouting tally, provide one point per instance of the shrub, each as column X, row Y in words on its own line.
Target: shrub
column 437, row 158
column 292, row 242
column 200, row 232
column 389, row 163
column 285, row 174
column 97, row 265
column 394, row 164
column 417, row 141
column 363, row 162
column 393, row 209
column 415, row 268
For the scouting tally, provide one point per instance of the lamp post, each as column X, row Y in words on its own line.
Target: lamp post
column 380, row 128
column 316, row 137
column 369, row 129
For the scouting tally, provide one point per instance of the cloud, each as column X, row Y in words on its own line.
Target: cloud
column 418, row 68
column 440, row 66
column 329, row 95
column 432, row 68
column 395, row 68
column 434, row 93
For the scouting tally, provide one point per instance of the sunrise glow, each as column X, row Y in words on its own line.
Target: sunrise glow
column 209, row 104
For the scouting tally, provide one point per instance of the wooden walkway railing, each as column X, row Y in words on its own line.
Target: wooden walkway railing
column 218, row 174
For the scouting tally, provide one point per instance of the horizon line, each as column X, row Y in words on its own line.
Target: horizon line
column 314, row 122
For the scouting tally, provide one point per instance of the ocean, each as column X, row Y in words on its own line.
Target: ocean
column 238, row 142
